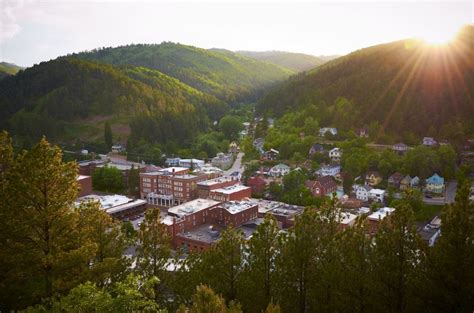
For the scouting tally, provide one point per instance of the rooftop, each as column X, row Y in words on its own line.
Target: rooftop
column 192, row 207
column 277, row 208
column 234, row 207
column 347, row 218
column 231, row 189
column 112, row 203
column 216, row 181
column 377, row 191
column 381, row 213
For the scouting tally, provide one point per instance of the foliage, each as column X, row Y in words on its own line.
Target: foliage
column 294, row 61
column 230, row 126
column 108, row 135
column 107, row 179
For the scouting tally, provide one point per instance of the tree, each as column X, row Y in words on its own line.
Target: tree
column 107, row 179
column 230, row 126
column 153, row 249
column 44, row 250
column 134, row 182
column 206, row 301
column 450, row 275
column 259, row 272
column 108, row 136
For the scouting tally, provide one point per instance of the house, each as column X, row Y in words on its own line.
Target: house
column 431, row 231
column 429, row 142
column 400, row 148
column 258, row 184
column 377, row 195
column 258, row 144
column 335, row 154
column 346, row 219
column 191, row 163
column 377, row 217
column 395, row 179
column 405, row 183
column 172, row 162
column 322, row 186
column 435, row 184
column 279, row 170
column 414, row 182
column 222, row 160
column 327, row 130
column 316, row 148
column 363, row 132
column 329, row 170
column 118, row 148
column 233, row 147
column 362, row 192
column 271, row 155
column 373, row 178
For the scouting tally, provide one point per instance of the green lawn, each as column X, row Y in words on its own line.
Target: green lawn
column 428, row 212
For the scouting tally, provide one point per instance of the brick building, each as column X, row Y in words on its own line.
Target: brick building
column 204, row 188
column 258, row 184
column 231, row 193
column 85, row 185
column 322, row 186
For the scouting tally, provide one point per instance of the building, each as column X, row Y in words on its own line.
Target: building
column 324, row 131
column 378, row 216
column 258, row 144
column 362, row 192
column 363, row 132
column 172, row 162
column 118, row 206
column 222, row 160
column 258, row 185
column 231, row 193
column 395, row 180
column 429, row 141
column 322, row 186
column 329, row 170
column 316, row 148
column 169, row 186
column 191, row 163
column 234, row 148
column 118, row 148
column 405, row 183
column 373, row 178
column 284, row 213
column 85, row 185
column 431, row 231
column 279, row 170
column 415, row 182
column 435, row 184
column 400, row 148
column 271, row 155
column 210, row 171
column 377, row 195
column 204, row 188
column 346, row 219
column 335, row 154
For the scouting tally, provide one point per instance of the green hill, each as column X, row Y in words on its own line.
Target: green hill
column 224, row 74
column 404, row 86
column 69, row 99
column 295, row 61
column 7, row 69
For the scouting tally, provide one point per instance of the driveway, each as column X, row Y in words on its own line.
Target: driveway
column 237, row 166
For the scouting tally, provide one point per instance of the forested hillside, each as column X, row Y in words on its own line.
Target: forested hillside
column 404, row 86
column 7, row 69
column 224, row 74
column 295, row 61
column 70, row 99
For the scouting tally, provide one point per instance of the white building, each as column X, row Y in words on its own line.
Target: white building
column 362, row 192
column 279, row 170
column 222, row 160
column 377, row 195
column 194, row 163
column 335, row 154
column 329, row 170
column 380, row 214
column 327, row 130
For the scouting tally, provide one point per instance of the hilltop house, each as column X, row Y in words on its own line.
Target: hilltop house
column 395, row 179
column 327, row 130
column 279, row 170
column 363, row 132
column 373, row 178
column 335, row 154
column 400, row 148
column 405, row 183
column 233, row 147
column 435, row 184
column 377, row 195
column 316, row 148
column 415, row 182
column 362, row 192
column 271, row 155
column 322, row 186
column 429, row 142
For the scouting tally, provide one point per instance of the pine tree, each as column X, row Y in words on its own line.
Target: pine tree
column 43, row 250
column 108, row 139
column 450, row 282
column 153, row 250
column 258, row 277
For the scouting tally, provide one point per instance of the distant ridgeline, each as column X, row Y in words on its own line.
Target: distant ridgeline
column 7, row 69
column 159, row 93
column 404, row 86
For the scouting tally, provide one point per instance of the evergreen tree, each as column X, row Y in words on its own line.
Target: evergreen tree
column 153, row 250
column 44, row 251
column 108, row 139
column 450, row 284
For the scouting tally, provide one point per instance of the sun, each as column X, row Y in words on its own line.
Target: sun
column 439, row 36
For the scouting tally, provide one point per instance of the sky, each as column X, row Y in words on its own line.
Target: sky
column 32, row 31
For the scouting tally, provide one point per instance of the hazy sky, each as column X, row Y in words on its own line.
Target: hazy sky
column 34, row 31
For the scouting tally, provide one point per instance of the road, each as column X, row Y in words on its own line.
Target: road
column 237, row 166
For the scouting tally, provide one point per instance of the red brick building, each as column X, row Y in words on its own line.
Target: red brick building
column 323, row 186
column 85, row 185
column 258, row 184
column 204, row 188
column 231, row 193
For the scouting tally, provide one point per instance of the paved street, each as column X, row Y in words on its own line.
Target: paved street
column 237, row 166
